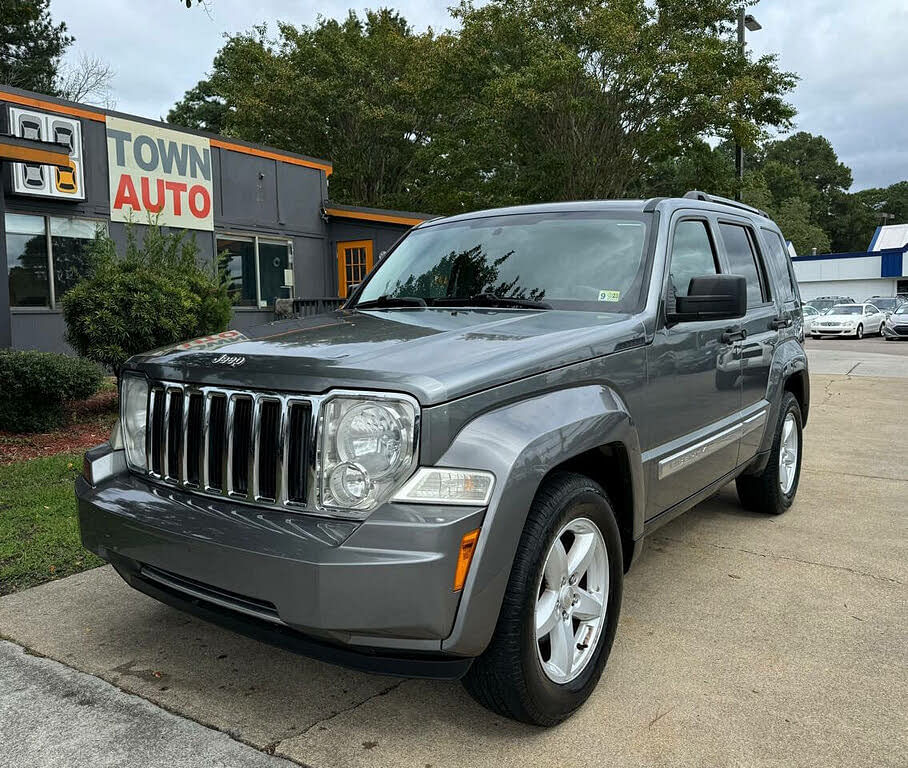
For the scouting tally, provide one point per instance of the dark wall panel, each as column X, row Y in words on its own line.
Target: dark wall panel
column 248, row 187
column 300, row 198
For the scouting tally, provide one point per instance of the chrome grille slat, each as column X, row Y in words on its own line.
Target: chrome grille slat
column 249, row 461
column 227, row 469
column 203, row 452
column 165, row 434
column 252, row 468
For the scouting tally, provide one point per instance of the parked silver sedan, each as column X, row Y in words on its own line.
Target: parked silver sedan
column 810, row 313
column 896, row 325
column 848, row 320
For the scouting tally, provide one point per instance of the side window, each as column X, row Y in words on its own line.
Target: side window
column 692, row 254
column 778, row 251
column 871, row 309
column 742, row 260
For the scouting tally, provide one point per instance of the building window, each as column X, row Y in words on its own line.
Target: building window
column 40, row 246
column 258, row 270
column 354, row 261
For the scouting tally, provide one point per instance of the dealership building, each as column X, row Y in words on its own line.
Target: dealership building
column 263, row 212
column 881, row 270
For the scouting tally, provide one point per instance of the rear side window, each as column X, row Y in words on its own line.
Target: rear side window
column 778, row 251
column 742, row 260
column 692, row 254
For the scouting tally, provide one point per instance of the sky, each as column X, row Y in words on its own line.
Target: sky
column 851, row 57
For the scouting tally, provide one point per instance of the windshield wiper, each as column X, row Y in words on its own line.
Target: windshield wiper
column 489, row 299
column 387, row 301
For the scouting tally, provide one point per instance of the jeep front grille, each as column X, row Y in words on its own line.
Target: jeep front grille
column 249, row 446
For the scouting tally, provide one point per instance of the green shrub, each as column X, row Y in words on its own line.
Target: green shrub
column 35, row 385
column 155, row 295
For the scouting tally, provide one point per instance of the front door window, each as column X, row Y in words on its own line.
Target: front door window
column 354, row 261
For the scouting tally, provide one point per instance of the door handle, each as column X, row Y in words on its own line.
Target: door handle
column 735, row 333
column 780, row 322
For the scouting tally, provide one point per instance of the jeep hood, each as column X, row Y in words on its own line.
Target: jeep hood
column 433, row 354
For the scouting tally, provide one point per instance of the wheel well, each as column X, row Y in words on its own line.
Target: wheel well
column 798, row 386
column 609, row 466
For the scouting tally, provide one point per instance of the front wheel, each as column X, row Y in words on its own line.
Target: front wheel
column 773, row 490
column 560, row 610
column 859, row 333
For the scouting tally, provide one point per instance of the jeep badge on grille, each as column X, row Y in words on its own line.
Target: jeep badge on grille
column 234, row 361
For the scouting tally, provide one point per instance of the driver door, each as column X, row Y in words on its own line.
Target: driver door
column 693, row 369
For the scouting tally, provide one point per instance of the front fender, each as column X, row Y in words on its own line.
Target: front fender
column 520, row 443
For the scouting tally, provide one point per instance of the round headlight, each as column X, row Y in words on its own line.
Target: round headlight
column 350, row 484
column 371, row 436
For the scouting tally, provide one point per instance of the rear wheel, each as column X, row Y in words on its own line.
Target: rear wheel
column 773, row 490
column 560, row 610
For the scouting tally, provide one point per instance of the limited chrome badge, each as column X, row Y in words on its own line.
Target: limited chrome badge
column 234, row 361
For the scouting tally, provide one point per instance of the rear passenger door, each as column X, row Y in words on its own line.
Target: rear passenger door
column 761, row 324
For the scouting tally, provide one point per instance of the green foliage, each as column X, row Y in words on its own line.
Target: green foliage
column 31, row 45
column 35, row 385
column 156, row 295
column 526, row 100
column 39, row 531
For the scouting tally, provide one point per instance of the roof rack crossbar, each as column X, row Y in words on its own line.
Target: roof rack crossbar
column 696, row 194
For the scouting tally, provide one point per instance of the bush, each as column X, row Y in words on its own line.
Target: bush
column 35, row 385
column 156, row 295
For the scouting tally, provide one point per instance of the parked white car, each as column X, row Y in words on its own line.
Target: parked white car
column 810, row 314
column 848, row 320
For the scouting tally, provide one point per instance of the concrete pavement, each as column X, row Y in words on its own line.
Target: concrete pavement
column 51, row 715
column 743, row 640
column 871, row 356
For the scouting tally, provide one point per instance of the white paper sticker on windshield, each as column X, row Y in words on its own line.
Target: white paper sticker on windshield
column 609, row 295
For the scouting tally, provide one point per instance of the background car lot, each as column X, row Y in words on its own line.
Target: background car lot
column 744, row 640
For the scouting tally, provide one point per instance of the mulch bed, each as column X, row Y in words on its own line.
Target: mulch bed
column 88, row 423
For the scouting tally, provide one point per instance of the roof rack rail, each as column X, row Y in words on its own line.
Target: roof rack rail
column 696, row 194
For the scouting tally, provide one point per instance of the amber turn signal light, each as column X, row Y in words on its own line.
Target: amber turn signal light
column 464, row 557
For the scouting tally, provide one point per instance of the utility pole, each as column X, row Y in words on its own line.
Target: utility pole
column 745, row 21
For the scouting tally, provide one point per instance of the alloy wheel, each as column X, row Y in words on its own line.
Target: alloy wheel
column 788, row 453
column 571, row 600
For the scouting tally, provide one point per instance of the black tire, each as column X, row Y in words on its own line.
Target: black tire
column 762, row 493
column 859, row 333
column 508, row 678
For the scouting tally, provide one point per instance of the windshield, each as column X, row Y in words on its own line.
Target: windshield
column 846, row 309
column 565, row 260
column 902, row 310
column 885, row 304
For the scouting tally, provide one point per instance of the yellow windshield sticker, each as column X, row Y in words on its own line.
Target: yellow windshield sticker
column 609, row 295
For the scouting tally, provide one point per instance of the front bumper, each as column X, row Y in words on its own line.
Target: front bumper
column 833, row 331
column 896, row 332
column 383, row 587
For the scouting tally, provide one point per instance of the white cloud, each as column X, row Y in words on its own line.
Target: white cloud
column 850, row 54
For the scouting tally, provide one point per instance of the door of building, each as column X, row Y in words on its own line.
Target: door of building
column 354, row 261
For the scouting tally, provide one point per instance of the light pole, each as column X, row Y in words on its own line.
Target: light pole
column 745, row 21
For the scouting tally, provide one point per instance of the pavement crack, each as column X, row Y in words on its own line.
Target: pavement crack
column 383, row 692
column 853, row 367
column 773, row 556
column 856, row 474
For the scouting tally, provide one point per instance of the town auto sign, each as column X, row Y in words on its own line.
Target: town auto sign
column 159, row 174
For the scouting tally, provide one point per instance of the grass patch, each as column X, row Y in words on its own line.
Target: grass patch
column 39, row 532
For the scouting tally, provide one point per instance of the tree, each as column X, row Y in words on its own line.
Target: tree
column 350, row 89
column 88, row 81
column 527, row 100
column 156, row 295
column 31, row 45
column 561, row 99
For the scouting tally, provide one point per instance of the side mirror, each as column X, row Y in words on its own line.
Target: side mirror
column 711, row 297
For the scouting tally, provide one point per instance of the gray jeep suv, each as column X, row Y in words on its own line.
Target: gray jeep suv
column 449, row 476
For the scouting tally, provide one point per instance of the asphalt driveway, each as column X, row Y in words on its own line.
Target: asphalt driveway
column 743, row 640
